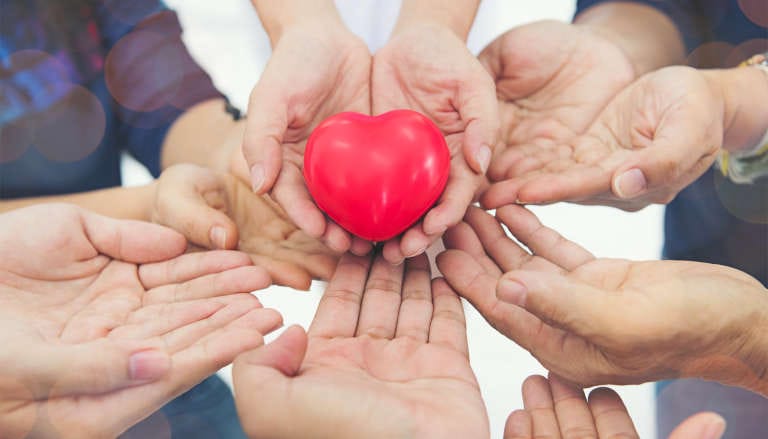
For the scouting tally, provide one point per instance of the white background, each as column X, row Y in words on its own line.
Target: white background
column 227, row 39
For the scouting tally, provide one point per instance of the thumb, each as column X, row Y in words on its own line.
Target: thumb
column 263, row 140
column 479, row 108
column 185, row 205
column 556, row 299
column 284, row 355
column 700, row 426
column 95, row 368
column 680, row 152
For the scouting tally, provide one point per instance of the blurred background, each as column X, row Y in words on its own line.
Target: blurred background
column 227, row 40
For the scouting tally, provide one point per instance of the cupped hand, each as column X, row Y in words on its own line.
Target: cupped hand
column 557, row 409
column 386, row 356
column 607, row 321
column 103, row 321
column 427, row 68
column 316, row 70
column 552, row 80
column 653, row 139
column 218, row 211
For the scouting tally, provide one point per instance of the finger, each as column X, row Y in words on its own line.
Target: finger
column 156, row 320
column 479, row 109
column 448, row 327
column 538, row 402
column 580, row 183
column 456, row 198
column 190, row 266
column 518, row 426
column 701, row 425
column 502, row 193
column 392, row 252
column 94, row 368
column 336, row 238
column 415, row 242
column 290, row 192
column 262, row 378
column 416, row 307
column 610, row 415
column 463, row 237
column 236, row 280
column 571, row 409
column 541, row 240
column 186, row 210
column 132, row 241
column 381, row 300
column 673, row 160
column 339, row 308
column 560, row 301
column 284, row 355
column 264, row 134
column 263, row 320
column 284, row 273
column 507, row 254
column 360, row 246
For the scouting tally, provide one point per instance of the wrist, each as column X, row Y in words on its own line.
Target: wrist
column 279, row 16
column 754, row 352
column 457, row 16
column 744, row 92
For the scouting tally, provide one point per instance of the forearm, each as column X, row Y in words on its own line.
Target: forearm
column 204, row 135
column 456, row 15
column 745, row 98
column 276, row 16
column 647, row 36
column 120, row 202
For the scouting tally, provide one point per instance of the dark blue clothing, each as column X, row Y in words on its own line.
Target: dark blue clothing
column 69, row 108
column 70, row 102
column 714, row 220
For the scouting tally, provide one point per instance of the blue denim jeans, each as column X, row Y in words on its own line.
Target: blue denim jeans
column 207, row 411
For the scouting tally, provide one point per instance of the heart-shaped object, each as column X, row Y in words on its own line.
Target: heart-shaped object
column 376, row 176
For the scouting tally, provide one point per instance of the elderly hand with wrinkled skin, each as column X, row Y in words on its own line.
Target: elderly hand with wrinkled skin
column 651, row 141
column 386, row 356
column 557, row 409
column 103, row 321
column 218, row 211
column 608, row 321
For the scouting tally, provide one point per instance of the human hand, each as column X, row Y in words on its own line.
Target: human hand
column 217, row 211
column 552, row 81
column 103, row 321
column 317, row 69
column 386, row 356
column 652, row 140
column 557, row 409
column 427, row 68
column 608, row 321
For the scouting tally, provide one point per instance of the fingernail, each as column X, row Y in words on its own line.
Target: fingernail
column 419, row 251
column 257, row 177
column 630, row 184
column 511, row 291
column 483, row 157
column 219, row 237
column 715, row 429
column 148, row 365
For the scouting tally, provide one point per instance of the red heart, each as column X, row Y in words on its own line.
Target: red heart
column 376, row 176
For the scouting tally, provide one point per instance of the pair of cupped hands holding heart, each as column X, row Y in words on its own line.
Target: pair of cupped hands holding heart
column 361, row 149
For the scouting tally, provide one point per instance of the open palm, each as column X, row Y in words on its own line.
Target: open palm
column 605, row 321
column 384, row 358
column 552, row 80
column 80, row 294
column 193, row 199
column 315, row 71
